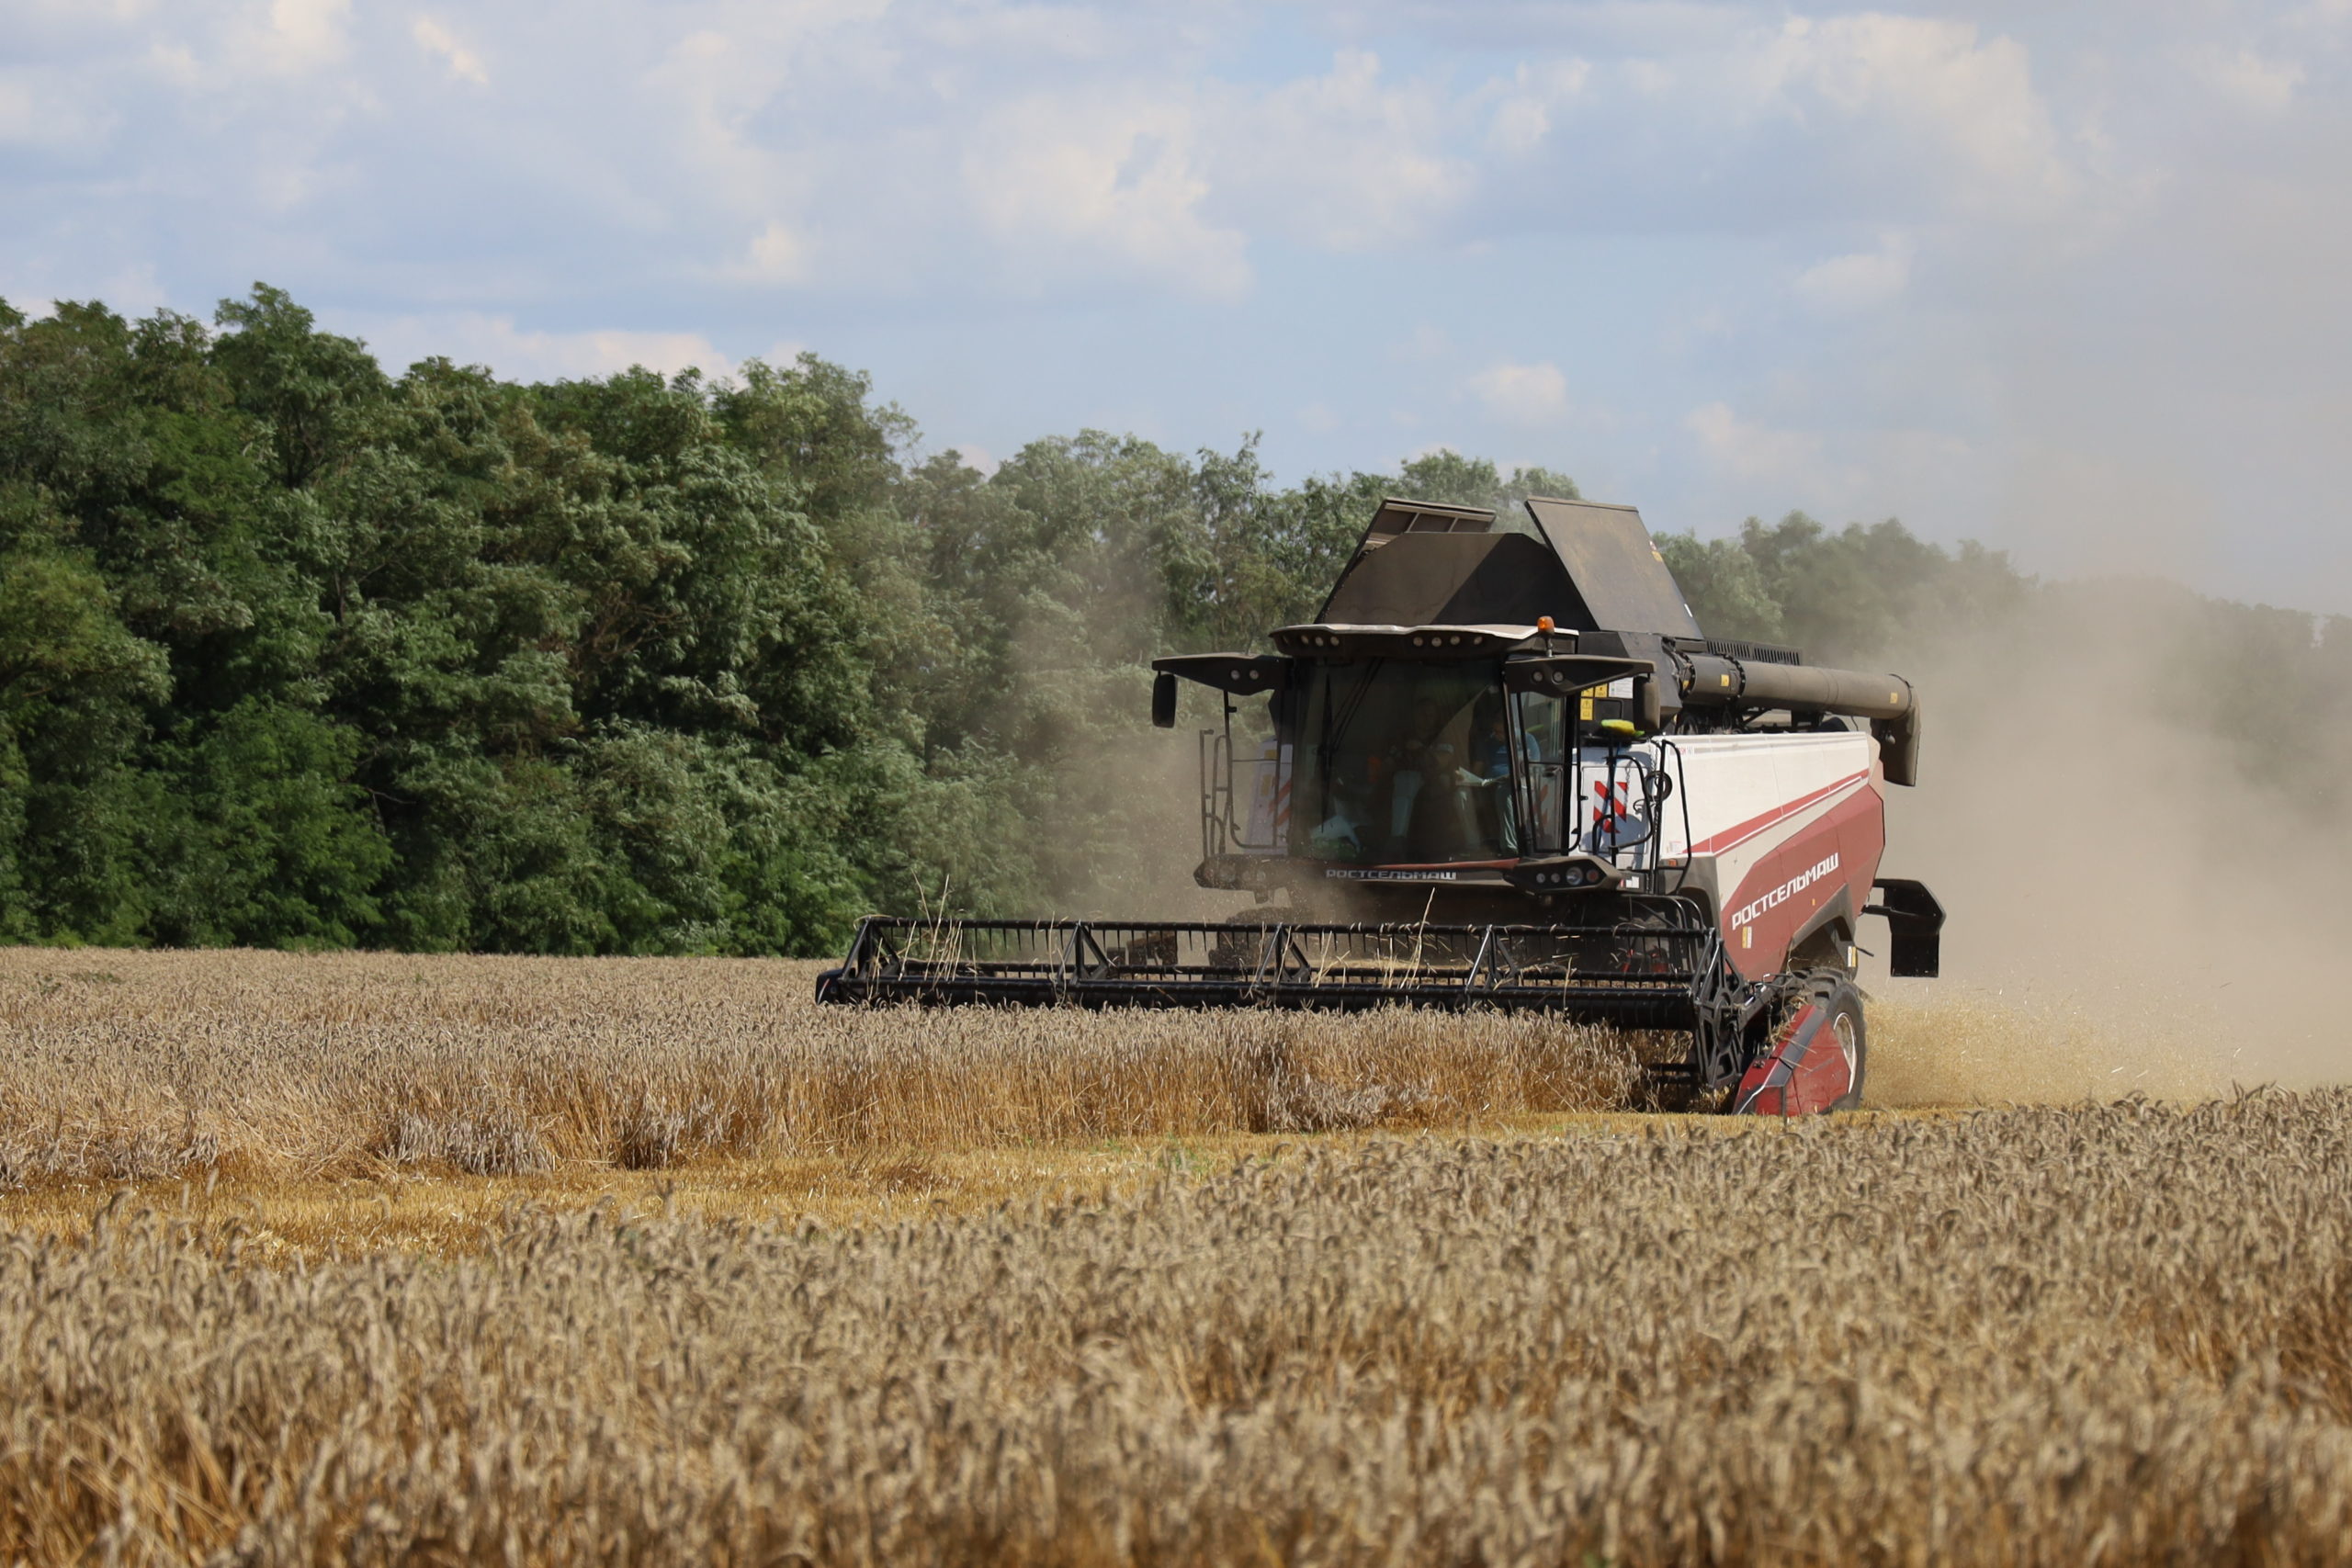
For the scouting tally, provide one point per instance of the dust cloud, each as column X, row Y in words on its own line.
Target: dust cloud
column 2134, row 902
column 1142, row 789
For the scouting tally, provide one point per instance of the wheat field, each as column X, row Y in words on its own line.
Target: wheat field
column 1414, row 1293
column 129, row 1066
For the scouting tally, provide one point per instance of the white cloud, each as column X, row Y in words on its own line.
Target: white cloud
column 1520, row 125
column 1865, row 280
column 34, row 113
column 303, row 35
column 1650, row 79
column 1522, row 394
column 1791, row 461
column 519, row 353
column 86, row 11
column 711, row 84
column 174, row 62
column 745, row 92
column 1867, row 469
column 2124, row 240
column 462, row 64
column 1346, row 161
column 1946, row 96
column 1105, row 180
column 775, row 256
column 2260, row 84
column 1522, row 117
column 1066, row 32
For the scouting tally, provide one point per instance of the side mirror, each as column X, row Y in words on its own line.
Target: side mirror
column 1163, row 700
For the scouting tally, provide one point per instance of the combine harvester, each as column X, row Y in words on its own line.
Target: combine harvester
column 1503, row 768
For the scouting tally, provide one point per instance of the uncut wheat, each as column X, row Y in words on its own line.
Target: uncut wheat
column 2113, row 1336
column 120, row 1066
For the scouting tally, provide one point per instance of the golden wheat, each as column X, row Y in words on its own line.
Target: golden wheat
column 2114, row 1335
column 140, row 1067
column 2110, row 1334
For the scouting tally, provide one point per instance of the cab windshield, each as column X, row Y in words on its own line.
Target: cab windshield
column 1405, row 763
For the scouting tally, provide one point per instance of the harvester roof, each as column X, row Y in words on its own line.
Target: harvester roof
column 1588, row 566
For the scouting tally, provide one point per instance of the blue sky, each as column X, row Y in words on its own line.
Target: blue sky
column 2068, row 277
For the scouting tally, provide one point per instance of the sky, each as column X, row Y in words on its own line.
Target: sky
column 2072, row 278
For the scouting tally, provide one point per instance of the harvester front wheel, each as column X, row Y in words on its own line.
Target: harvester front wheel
column 1814, row 1058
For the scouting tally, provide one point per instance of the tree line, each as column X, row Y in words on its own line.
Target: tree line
column 294, row 652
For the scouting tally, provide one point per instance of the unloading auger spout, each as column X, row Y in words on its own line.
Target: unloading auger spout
column 1503, row 768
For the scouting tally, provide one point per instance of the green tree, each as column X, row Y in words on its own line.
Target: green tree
column 1446, row 475
column 265, row 840
column 312, row 391
column 296, row 652
column 1724, row 587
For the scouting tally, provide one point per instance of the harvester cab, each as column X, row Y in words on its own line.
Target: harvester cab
column 1502, row 767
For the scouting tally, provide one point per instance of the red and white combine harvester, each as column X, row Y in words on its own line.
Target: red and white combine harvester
column 1503, row 768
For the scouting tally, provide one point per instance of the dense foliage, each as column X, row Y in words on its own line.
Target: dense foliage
column 297, row 653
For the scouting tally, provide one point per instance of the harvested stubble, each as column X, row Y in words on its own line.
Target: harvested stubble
column 2114, row 1335
column 140, row 1067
